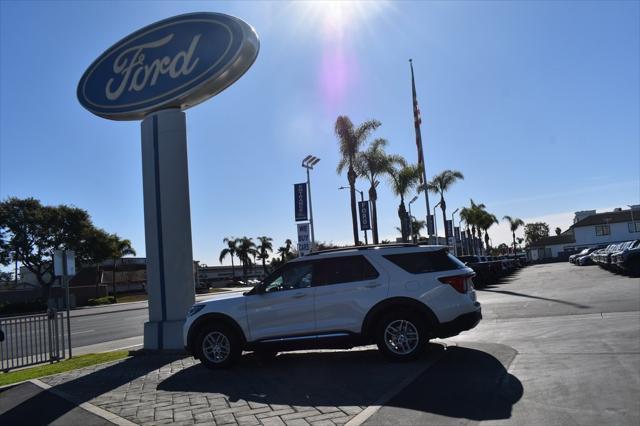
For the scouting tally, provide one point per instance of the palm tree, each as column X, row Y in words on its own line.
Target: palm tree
column 440, row 184
column 245, row 249
column 230, row 250
column 403, row 180
column 520, row 240
column 472, row 216
column 286, row 250
column 486, row 221
column 119, row 248
column 350, row 139
column 370, row 164
column 514, row 224
column 416, row 227
column 264, row 248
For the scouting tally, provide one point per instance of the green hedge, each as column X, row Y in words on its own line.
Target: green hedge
column 33, row 306
column 107, row 300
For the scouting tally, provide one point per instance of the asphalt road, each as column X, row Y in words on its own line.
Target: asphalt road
column 559, row 344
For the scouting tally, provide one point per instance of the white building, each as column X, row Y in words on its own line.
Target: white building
column 590, row 229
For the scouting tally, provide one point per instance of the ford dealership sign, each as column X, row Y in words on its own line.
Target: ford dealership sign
column 175, row 63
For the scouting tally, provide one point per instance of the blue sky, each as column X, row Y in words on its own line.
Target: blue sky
column 537, row 103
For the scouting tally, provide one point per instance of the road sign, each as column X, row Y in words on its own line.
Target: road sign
column 304, row 242
column 175, row 63
column 300, row 201
column 365, row 222
column 58, row 262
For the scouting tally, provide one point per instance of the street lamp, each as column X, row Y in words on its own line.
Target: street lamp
column 435, row 225
column 361, row 199
column 413, row 237
column 308, row 163
column 453, row 237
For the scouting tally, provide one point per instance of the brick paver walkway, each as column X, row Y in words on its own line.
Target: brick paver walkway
column 296, row 389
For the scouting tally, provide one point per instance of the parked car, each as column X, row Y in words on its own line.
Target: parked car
column 616, row 257
column 397, row 296
column 629, row 260
column 484, row 273
column 573, row 258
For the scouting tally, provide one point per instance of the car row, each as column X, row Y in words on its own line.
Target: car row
column 489, row 269
column 583, row 257
column 621, row 257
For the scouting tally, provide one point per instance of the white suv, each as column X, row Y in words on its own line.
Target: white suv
column 397, row 296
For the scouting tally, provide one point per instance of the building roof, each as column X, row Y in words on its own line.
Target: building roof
column 564, row 238
column 608, row 217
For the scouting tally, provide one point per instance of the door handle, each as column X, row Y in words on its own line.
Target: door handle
column 374, row 285
column 299, row 295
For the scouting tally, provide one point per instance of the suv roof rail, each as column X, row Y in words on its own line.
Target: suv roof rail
column 363, row 247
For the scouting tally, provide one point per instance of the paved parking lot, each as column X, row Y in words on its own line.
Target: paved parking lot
column 559, row 345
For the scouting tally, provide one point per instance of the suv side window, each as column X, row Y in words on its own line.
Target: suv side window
column 293, row 276
column 345, row 269
column 425, row 261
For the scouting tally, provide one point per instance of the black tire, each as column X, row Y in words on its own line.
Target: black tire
column 265, row 355
column 228, row 350
column 401, row 350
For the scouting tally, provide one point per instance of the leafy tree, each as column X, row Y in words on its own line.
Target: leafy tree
column 231, row 251
column 118, row 248
column 371, row 164
column 520, row 240
column 514, row 224
column 350, row 139
column 535, row 231
column 558, row 231
column 403, row 180
column 30, row 232
column 264, row 248
column 440, row 184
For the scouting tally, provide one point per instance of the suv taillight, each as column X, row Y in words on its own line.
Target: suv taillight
column 458, row 282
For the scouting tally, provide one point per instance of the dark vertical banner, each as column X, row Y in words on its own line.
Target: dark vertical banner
column 448, row 228
column 430, row 228
column 365, row 222
column 300, row 200
column 456, row 232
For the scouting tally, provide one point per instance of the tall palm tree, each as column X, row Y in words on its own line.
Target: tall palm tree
column 440, row 184
column 486, row 221
column 119, row 248
column 286, row 250
column 403, row 180
column 350, row 139
column 246, row 248
column 371, row 164
column 514, row 224
column 264, row 248
column 472, row 216
column 230, row 250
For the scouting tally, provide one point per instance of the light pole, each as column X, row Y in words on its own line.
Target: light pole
column 361, row 199
column 461, row 231
column 453, row 237
column 308, row 163
column 635, row 229
column 413, row 236
column 435, row 225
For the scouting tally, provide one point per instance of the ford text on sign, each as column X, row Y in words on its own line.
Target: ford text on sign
column 175, row 63
column 365, row 223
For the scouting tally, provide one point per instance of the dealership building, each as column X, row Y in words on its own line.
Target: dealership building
column 589, row 229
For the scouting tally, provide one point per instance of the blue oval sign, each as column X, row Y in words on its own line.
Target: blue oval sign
column 175, row 63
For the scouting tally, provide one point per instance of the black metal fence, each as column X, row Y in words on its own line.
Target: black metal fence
column 32, row 339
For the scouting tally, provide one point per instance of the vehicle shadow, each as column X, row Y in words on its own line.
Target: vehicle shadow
column 513, row 293
column 461, row 382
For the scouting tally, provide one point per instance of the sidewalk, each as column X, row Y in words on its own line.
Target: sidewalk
column 296, row 389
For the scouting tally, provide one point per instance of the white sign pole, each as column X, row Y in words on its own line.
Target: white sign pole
column 167, row 221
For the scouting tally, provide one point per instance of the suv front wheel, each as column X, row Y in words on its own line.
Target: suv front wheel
column 401, row 337
column 218, row 346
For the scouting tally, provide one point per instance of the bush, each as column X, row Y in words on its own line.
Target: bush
column 32, row 306
column 107, row 300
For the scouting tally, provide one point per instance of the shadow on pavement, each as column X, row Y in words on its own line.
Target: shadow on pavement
column 513, row 293
column 43, row 407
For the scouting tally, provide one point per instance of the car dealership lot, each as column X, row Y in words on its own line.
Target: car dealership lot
column 558, row 345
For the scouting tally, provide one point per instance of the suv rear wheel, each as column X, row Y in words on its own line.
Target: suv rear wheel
column 218, row 346
column 401, row 337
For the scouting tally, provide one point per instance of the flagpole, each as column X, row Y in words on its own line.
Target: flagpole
column 417, row 120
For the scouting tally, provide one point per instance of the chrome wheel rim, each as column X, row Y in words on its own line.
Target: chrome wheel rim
column 401, row 337
column 216, row 347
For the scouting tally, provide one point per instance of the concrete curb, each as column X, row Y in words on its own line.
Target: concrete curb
column 365, row 414
column 85, row 405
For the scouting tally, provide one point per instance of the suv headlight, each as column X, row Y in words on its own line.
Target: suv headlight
column 194, row 310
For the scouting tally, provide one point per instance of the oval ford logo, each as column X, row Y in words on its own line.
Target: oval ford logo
column 175, row 63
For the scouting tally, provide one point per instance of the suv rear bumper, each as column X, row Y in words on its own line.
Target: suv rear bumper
column 462, row 323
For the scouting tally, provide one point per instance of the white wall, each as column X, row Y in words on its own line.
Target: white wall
column 586, row 235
